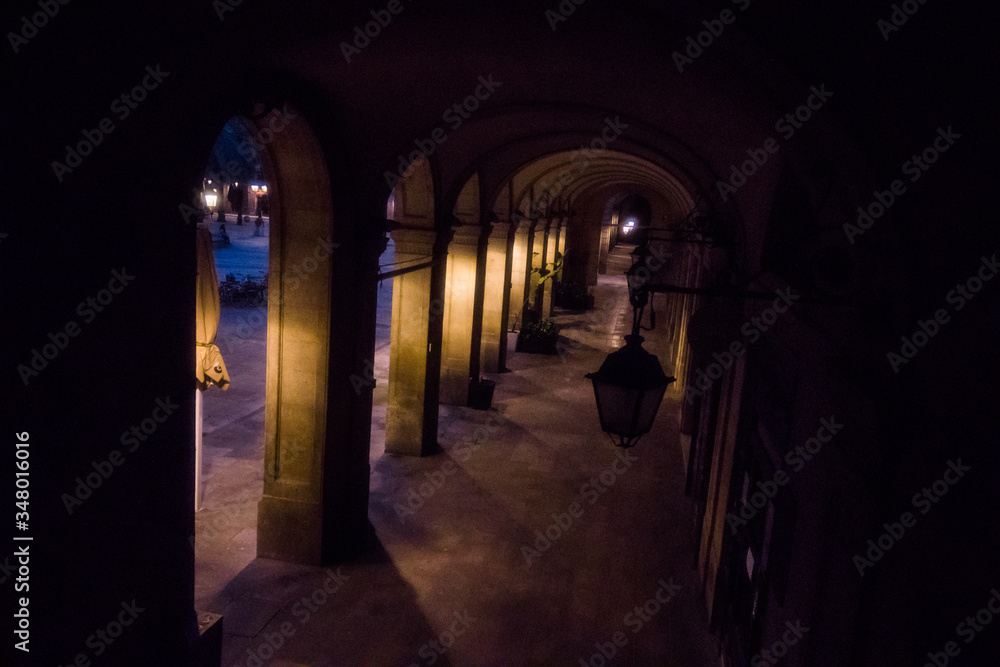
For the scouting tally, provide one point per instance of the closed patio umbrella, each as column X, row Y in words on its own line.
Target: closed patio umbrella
column 209, row 367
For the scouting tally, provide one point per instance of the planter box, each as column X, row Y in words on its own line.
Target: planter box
column 534, row 345
column 481, row 394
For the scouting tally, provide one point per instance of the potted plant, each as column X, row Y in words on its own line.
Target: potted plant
column 538, row 337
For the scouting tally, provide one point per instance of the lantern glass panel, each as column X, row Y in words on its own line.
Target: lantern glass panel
column 616, row 406
column 650, row 403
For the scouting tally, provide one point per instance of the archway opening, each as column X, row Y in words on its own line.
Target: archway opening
column 376, row 372
column 236, row 195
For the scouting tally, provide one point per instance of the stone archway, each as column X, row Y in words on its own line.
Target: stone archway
column 290, row 513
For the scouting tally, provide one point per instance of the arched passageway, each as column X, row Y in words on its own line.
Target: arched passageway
column 499, row 103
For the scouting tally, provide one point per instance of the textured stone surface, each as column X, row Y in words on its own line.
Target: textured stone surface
column 502, row 476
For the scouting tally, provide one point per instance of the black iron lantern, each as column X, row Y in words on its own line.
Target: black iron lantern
column 629, row 388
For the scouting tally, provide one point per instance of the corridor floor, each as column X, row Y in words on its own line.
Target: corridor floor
column 530, row 539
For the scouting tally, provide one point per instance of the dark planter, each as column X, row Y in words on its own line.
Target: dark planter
column 572, row 297
column 535, row 344
column 481, row 394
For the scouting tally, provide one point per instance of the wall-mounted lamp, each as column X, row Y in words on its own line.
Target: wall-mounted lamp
column 629, row 388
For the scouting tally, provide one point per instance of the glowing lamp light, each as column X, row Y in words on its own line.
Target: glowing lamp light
column 211, row 199
column 629, row 225
column 629, row 388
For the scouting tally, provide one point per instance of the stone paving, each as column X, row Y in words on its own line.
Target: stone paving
column 529, row 540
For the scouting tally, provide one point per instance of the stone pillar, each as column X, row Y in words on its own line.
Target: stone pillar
column 435, row 329
column 346, row 469
column 479, row 298
column 459, row 307
column 496, row 300
column 605, row 247
column 411, row 309
column 315, row 502
column 551, row 246
column 537, row 261
column 520, row 261
column 563, row 230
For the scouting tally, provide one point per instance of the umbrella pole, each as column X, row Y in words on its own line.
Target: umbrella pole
column 198, row 405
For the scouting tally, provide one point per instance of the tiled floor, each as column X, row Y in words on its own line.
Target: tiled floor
column 463, row 574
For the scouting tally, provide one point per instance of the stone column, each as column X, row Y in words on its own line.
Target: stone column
column 520, row 265
column 605, row 247
column 346, row 469
column 459, row 307
column 551, row 246
column 411, row 308
column 537, row 261
column 496, row 300
column 315, row 502
column 563, row 230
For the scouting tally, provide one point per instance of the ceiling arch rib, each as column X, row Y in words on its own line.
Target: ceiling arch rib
column 563, row 177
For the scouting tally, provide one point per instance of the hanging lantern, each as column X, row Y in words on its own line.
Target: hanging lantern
column 629, row 388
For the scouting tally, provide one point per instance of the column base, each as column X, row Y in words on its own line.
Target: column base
column 207, row 650
column 289, row 530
